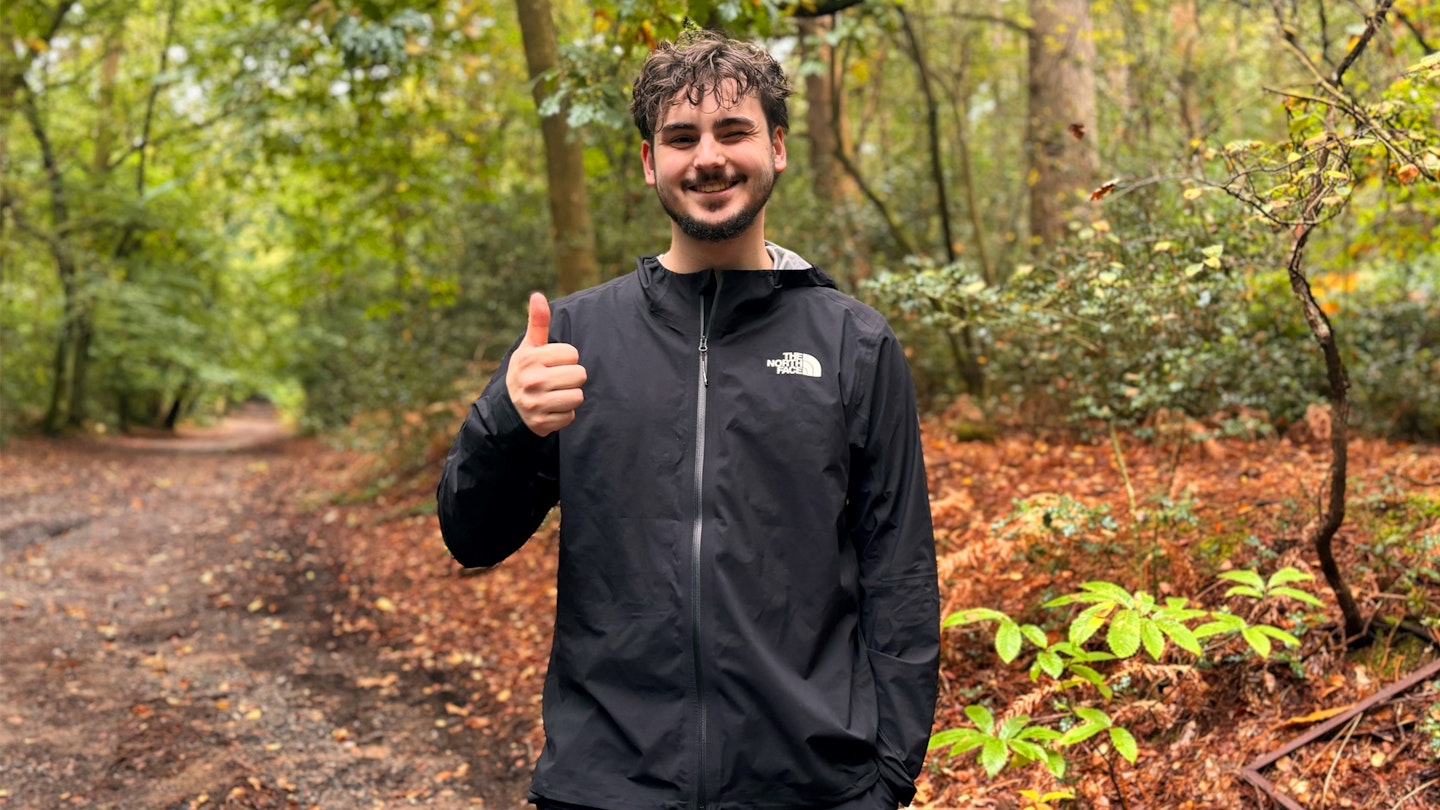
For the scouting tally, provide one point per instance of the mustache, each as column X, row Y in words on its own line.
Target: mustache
column 714, row 177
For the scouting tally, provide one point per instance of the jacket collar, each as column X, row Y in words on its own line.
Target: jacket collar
column 735, row 295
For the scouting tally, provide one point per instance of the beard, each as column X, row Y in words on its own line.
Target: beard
column 725, row 229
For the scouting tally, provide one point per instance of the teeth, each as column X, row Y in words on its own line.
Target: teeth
column 711, row 187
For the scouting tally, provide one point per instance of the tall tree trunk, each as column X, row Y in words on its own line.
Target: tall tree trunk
column 574, row 237
column 828, row 176
column 1061, row 107
column 58, row 413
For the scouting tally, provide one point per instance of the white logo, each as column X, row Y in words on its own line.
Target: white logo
column 795, row 363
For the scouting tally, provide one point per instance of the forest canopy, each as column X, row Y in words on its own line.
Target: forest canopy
column 1073, row 210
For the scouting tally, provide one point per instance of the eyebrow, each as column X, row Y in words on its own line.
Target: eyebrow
column 731, row 121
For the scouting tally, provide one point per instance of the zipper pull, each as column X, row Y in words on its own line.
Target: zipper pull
column 704, row 362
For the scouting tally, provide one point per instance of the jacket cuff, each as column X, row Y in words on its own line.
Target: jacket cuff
column 902, row 787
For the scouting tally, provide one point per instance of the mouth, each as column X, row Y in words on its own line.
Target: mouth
column 714, row 186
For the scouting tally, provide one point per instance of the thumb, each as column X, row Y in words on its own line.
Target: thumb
column 538, row 331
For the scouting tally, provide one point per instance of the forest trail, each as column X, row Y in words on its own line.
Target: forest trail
column 172, row 637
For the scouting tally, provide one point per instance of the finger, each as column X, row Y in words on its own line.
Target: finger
column 556, row 354
column 537, row 333
column 559, row 402
column 562, row 378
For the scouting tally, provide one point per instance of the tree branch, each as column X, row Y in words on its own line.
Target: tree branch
column 808, row 8
column 1372, row 24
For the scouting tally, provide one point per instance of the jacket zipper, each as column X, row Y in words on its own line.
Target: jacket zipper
column 695, row 539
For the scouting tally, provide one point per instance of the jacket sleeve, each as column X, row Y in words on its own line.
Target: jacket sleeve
column 499, row 480
column 889, row 519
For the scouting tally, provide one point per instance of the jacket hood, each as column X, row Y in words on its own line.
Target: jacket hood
column 730, row 295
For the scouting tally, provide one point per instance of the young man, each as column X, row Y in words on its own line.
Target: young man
column 747, row 614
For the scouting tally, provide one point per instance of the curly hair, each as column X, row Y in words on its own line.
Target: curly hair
column 700, row 63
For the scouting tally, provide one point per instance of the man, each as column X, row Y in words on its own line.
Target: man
column 747, row 613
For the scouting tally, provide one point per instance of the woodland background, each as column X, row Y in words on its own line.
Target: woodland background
column 1169, row 232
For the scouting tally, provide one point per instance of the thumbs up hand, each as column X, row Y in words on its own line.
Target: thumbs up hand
column 544, row 378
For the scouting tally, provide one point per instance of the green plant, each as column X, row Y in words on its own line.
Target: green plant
column 1046, row 801
column 1133, row 622
column 1430, row 727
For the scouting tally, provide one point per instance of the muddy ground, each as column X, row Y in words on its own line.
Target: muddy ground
column 174, row 635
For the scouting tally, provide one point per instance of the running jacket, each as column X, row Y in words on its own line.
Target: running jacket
column 747, row 614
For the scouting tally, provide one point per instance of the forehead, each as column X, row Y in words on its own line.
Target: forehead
column 721, row 100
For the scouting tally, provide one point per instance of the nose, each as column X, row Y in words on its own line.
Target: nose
column 709, row 153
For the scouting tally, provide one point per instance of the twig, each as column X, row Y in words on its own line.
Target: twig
column 1124, row 474
column 1115, row 780
column 1414, row 792
column 1325, row 788
column 1251, row 772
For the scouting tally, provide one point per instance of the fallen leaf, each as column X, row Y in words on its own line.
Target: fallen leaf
column 1313, row 717
column 1103, row 190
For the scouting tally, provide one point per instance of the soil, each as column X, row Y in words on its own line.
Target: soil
column 174, row 627
column 235, row 618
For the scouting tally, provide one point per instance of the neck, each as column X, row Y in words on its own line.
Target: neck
column 744, row 252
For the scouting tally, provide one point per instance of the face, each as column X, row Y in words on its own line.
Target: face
column 714, row 165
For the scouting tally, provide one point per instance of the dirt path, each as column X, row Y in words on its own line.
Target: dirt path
column 172, row 638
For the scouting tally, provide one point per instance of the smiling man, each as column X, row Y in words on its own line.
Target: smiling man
column 747, row 612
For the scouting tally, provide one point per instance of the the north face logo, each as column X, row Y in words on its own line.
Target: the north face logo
column 795, row 363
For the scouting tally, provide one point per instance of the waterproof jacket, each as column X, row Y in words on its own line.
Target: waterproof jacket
column 747, row 611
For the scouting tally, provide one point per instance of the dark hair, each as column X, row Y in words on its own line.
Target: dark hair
column 702, row 62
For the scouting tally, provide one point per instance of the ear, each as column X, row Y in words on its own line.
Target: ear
column 647, row 160
column 777, row 144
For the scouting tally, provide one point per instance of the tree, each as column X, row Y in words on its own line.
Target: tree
column 1060, row 127
column 575, row 264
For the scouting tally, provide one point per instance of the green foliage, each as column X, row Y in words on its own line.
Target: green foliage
column 1430, row 727
column 1132, row 622
column 1127, row 318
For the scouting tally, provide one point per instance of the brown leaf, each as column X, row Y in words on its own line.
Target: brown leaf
column 1077, row 131
column 1103, row 190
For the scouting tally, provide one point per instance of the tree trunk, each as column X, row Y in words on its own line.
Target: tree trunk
column 828, row 176
column 1061, row 106
column 573, row 235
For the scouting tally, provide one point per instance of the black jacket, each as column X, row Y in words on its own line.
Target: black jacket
column 747, row 611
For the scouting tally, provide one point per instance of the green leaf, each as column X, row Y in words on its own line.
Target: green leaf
column 994, row 756
column 1153, row 640
column 1013, row 726
column 1287, row 575
column 1245, row 577
column 1007, row 641
column 973, row 615
column 1278, row 634
column 1036, row 635
column 1080, row 733
column 1183, row 638
column 1092, row 715
column 1039, row 733
column 1055, row 763
column 1110, row 591
column 1093, row 678
column 1297, row 594
column 981, row 717
column 1257, row 640
column 1124, row 742
column 1123, row 638
column 970, row 743
column 1028, row 750
column 950, row 736
column 1050, row 663
column 1245, row 590
column 1087, row 624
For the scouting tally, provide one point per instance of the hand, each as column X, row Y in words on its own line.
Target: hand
column 544, row 378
